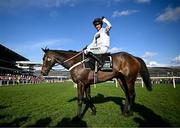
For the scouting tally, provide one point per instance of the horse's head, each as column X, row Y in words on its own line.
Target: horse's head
column 64, row 58
column 49, row 61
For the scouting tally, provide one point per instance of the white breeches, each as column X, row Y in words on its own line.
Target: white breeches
column 97, row 50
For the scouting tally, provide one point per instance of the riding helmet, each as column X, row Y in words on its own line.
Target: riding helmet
column 97, row 21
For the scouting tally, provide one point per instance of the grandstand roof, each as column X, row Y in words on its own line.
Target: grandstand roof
column 9, row 55
column 8, row 60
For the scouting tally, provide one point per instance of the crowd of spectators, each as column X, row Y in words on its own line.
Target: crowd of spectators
column 7, row 79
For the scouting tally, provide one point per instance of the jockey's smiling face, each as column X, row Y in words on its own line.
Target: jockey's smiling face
column 98, row 26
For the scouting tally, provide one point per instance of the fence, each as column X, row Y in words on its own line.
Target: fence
column 154, row 80
column 160, row 80
column 19, row 81
column 52, row 79
column 11, row 80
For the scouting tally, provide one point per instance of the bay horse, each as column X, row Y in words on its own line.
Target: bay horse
column 125, row 69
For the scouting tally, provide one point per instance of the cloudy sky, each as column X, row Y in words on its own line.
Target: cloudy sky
column 146, row 28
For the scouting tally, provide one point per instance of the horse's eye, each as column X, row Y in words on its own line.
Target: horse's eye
column 48, row 59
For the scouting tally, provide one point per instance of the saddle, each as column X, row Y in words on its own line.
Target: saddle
column 106, row 60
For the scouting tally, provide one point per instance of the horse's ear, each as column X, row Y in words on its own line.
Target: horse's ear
column 46, row 49
column 43, row 50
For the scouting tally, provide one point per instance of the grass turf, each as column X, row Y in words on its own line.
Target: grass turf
column 55, row 105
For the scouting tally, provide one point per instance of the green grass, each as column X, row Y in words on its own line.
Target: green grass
column 55, row 105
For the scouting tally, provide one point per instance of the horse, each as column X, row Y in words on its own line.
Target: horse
column 126, row 68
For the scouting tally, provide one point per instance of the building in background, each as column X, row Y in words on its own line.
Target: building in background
column 28, row 67
column 8, row 60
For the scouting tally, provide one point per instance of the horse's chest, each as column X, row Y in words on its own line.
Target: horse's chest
column 80, row 75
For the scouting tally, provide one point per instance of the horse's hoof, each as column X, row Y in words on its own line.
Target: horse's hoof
column 128, row 114
column 93, row 113
column 79, row 116
column 76, row 118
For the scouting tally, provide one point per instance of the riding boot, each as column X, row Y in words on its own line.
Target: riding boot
column 93, row 56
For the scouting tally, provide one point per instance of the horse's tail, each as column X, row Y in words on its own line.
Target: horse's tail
column 145, row 74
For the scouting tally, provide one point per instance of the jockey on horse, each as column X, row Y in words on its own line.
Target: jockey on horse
column 125, row 69
column 101, row 40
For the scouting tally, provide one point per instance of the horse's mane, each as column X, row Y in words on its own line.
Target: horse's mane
column 64, row 51
column 73, row 51
column 121, row 52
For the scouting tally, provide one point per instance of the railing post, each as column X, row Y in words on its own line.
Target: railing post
column 174, row 82
column 116, row 83
column 75, row 85
column 142, row 83
column 13, row 82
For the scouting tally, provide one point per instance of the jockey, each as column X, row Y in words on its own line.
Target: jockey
column 101, row 40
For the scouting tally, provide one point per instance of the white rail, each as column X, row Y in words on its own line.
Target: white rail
column 13, row 82
column 152, row 78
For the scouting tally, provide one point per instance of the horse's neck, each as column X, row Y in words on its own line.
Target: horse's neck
column 69, row 61
column 73, row 60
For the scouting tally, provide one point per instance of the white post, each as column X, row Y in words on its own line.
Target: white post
column 142, row 83
column 0, row 82
column 174, row 83
column 94, row 85
column 75, row 85
column 116, row 83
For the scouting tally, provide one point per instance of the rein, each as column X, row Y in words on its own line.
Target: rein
column 73, row 57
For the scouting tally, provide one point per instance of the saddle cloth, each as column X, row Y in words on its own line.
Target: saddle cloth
column 106, row 60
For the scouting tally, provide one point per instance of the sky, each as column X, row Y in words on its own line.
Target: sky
column 149, row 29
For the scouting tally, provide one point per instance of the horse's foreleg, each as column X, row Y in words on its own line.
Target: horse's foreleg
column 89, row 101
column 80, row 90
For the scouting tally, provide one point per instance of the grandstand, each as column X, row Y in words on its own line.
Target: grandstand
column 28, row 67
column 8, row 60
column 56, row 75
column 164, row 71
column 12, row 70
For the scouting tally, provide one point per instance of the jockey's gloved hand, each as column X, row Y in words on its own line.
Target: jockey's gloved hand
column 85, row 51
column 102, row 17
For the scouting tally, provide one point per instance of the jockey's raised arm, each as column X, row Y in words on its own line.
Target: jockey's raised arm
column 108, row 27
